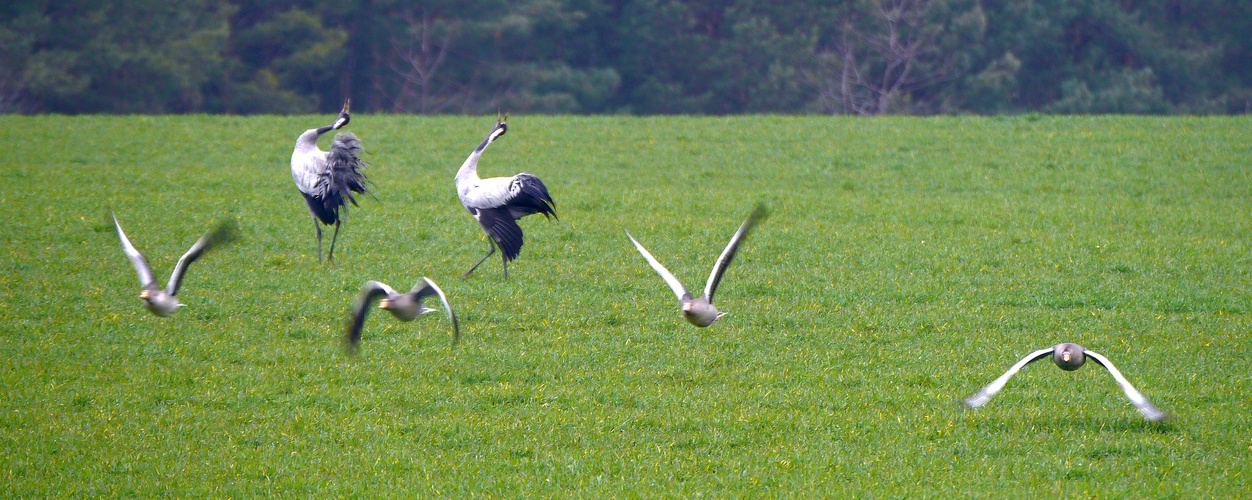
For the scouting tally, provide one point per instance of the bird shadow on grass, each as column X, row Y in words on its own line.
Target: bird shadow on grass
column 1056, row 423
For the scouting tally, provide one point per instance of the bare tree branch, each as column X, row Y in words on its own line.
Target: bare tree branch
column 417, row 59
column 897, row 54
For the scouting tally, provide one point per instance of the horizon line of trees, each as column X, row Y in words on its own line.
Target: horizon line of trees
column 864, row 57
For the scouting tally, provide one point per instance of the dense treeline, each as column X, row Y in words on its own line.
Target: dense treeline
column 626, row 56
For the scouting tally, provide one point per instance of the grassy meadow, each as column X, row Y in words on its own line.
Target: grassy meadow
column 907, row 262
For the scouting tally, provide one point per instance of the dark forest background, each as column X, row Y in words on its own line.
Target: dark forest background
column 626, row 56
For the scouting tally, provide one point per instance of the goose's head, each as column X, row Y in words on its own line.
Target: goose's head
column 159, row 302
column 1069, row 357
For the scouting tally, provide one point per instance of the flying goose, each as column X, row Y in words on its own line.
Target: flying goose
column 700, row 311
column 404, row 306
column 1069, row 357
column 162, row 302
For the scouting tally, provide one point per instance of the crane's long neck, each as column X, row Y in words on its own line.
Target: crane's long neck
column 469, row 169
column 308, row 140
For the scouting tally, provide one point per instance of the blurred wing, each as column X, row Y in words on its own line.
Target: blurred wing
column 136, row 258
column 984, row 395
column 225, row 232
column 723, row 261
column 427, row 288
column 669, row 278
column 356, row 321
column 1149, row 411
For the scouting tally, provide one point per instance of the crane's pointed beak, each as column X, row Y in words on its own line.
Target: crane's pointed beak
column 344, row 117
column 145, row 294
column 383, row 304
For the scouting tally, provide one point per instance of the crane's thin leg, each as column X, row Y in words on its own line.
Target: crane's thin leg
column 331, row 256
column 506, row 266
column 480, row 261
column 318, row 228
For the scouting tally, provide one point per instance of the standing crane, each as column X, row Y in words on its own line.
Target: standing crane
column 498, row 202
column 327, row 179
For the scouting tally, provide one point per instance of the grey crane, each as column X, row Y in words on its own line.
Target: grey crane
column 700, row 311
column 163, row 301
column 1069, row 357
column 497, row 202
column 328, row 179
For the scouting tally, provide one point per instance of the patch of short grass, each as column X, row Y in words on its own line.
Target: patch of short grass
column 908, row 261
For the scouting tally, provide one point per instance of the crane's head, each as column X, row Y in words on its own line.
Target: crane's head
column 502, row 126
column 343, row 115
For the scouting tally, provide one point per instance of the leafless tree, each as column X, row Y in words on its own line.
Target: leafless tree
column 418, row 57
column 12, row 86
column 892, row 55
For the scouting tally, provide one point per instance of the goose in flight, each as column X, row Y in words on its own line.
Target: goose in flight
column 327, row 179
column 498, row 202
column 1069, row 357
column 162, row 301
column 404, row 306
column 700, row 311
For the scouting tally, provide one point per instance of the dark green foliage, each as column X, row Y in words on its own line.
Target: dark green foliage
column 627, row 56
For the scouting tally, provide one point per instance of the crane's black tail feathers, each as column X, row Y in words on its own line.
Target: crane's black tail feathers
column 344, row 175
column 503, row 229
column 530, row 196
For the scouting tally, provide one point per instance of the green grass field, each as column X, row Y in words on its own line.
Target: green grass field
column 907, row 262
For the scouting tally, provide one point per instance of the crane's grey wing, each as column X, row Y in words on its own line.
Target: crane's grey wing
column 136, row 259
column 426, row 288
column 723, row 260
column 981, row 397
column 1149, row 411
column 669, row 278
column 224, row 232
column 356, row 320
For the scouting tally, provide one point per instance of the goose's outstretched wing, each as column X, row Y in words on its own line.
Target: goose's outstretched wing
column 723, row 260
column 225, row 232
column 669, row 278
column 1149, row 411
column 356, row 320
column 981, row 397
column 426, row 288
column 136, row 259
